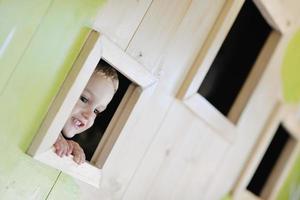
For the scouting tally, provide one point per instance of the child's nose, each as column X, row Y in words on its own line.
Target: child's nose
column 87, row 113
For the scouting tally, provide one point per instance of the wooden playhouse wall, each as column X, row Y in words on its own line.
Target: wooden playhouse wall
column 170, row 153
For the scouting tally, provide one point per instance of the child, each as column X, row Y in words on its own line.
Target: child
column 95, row 97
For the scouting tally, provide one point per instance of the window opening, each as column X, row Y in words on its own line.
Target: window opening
column 235, row 58
column 269, row 161
column 89, row 139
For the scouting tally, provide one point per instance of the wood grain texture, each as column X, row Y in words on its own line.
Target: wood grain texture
column 119, row 20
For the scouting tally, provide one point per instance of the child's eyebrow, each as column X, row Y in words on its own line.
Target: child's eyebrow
column 88, row 91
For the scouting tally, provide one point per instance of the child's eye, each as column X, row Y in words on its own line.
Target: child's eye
column 97, row 112
column 83, row 99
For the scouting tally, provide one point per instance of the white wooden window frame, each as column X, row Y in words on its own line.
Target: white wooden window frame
column 96, row 47
column 188, row 92
column 287, row 116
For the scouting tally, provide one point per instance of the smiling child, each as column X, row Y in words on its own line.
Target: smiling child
column 94, row 99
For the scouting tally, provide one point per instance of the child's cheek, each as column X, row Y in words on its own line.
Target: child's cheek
column 91, row 123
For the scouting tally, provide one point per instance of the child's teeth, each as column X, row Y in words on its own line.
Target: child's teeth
column 77, row 123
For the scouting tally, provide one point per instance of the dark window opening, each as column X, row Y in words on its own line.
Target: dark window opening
column 235, row 58
column 89, row 139
column 269, row 161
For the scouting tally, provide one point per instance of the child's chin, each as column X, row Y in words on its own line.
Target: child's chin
column 69, row 134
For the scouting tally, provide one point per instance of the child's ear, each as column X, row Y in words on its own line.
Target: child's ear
column 116, row 84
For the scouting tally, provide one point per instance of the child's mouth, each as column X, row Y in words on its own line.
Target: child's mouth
column 78, row 123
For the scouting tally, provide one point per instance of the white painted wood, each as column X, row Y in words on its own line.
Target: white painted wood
column 134, row 143
column 204, row 160
column 84, row 172
column 290, row 8
column 130, row 68
column 119, row 20
column 274, row 14
column 214, row 119
column 182, row 51
column 178, row 153
column 248, row 196
column 156, row 31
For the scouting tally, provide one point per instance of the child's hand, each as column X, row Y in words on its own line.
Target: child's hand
column 62, row 147
column 76, row 151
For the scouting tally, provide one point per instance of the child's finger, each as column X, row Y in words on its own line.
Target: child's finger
column 70, row 149
column 56, row 147
column 77, row 158
column 59, row 152
column 82, row 158
column 66, row 150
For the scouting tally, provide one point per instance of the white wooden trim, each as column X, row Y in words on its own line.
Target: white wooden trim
column 188, row 92
column 214, row 41
column 210, row 48
column 208, row 113
column 84, row 172
column 247, row 195
column 273, row 14
column 125, row 64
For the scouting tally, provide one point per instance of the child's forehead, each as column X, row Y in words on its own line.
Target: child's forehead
column 100, row 78
column 100, row 90
column 99, row 81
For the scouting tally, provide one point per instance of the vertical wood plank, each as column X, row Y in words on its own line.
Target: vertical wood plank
column 157, row 30
column 119, row 20
column 168, row 170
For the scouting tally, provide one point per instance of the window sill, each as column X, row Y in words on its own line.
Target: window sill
column 84, row 172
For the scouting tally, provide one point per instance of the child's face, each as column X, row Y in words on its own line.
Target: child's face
column 93, row 100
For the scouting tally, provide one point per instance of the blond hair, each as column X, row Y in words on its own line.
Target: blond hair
column 108, row 72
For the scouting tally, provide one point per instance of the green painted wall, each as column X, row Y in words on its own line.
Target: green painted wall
column 291, row 91
column 291, row 187
column 291, row 70
column 39, row 40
